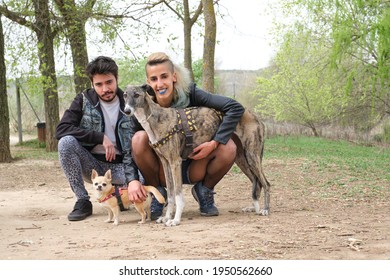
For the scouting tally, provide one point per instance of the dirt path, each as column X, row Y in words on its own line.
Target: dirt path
column 306, row 221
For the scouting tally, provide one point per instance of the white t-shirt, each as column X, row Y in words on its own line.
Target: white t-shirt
column 110, row 113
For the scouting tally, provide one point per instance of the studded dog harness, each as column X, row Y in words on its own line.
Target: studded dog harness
column 186, row 125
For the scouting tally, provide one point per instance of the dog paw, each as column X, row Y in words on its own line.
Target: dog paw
column 141, row 222
column 264, row 212
column 108, row 221
column 248, row 209
column 160, row 220
column 172, row 223
column 116, row 222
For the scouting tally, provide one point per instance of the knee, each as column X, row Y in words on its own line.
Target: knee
column 139, row 143
column 228, row 151
column 67, row 143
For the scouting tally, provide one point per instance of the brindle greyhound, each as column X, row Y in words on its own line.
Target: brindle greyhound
column 169, row 142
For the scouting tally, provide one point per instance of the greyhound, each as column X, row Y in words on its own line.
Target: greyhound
column 159, row 124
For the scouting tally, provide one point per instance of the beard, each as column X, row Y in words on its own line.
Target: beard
column 108, row 96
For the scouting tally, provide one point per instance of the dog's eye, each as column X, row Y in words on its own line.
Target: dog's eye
column 104, row 184
column 136, row 95
column 96, row 184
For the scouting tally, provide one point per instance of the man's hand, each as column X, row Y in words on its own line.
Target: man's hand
column 203, row 150
column 110, row 149
column 136, row 191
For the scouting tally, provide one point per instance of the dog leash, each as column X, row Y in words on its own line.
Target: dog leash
column 184, row 124
column 118, row 197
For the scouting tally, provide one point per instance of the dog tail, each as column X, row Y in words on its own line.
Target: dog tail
column 156, row 193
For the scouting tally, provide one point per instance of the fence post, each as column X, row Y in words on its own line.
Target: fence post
column 19, row 112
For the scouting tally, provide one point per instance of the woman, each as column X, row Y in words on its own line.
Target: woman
column 210, row 161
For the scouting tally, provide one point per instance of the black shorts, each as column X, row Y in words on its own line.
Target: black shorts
column 185, row 171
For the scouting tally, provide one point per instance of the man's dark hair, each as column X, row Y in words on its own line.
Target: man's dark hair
column 102, row 65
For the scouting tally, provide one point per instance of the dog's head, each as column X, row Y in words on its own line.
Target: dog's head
column 102, row 183
column 135, row 97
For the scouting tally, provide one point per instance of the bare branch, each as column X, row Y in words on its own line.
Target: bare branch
column 17, row 17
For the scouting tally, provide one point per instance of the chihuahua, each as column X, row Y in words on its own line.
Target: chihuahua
column 107, row 197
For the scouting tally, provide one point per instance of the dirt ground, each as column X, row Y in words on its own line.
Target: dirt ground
column 306, row 222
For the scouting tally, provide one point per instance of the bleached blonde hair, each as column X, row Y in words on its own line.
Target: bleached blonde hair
column 183, row 78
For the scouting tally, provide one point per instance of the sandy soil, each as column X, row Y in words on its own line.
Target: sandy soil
column 306, row 221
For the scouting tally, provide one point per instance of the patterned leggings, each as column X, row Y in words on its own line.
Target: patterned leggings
column 77, row 163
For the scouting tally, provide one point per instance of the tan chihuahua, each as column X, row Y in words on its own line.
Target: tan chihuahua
column 106, row 196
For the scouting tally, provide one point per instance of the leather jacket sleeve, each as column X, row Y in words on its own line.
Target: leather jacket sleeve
column 231, row 109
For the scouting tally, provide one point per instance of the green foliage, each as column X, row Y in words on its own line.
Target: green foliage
column 358, row 30
column 301, row 89
column 131, row 71
column 197, row 69
column 337, row 49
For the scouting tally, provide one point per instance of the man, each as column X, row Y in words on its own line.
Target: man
column 94, row 133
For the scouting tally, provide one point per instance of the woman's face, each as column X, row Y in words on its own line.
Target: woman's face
column 161, row 79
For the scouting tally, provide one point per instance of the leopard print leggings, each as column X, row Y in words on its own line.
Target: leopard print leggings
column 77, row 163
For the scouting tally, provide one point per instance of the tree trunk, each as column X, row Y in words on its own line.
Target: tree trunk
column 187, row 24
column 78, row 45
column 210, row 34
column 74, row 22
column 314, row 130
column 47, row 68
column 5, row 153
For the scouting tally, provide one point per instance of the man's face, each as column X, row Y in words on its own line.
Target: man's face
column 105, row 86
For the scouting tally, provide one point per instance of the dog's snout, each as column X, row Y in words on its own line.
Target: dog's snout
column 128, row 110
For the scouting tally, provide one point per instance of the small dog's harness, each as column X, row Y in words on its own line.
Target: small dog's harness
column 185, row 125
column 117, row 193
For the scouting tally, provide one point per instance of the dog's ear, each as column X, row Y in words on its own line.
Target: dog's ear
column 108, row 175
column 148, row 89
column 94, row 174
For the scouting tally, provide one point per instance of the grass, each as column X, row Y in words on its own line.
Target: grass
column 32, row 149
column 329, row 152
column 349, row 168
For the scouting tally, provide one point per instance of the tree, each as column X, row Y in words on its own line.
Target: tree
column 302, row 89
column 42, row 28
column 45, row 36
column 74, row 19
column 5, row 153
column 188, row 18
column 210, row 34
column 357, row 30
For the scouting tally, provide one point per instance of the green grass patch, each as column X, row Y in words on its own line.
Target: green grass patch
column 32, row 149
column 366, row 163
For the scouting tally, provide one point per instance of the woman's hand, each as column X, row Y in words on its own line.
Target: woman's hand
column 204, row 150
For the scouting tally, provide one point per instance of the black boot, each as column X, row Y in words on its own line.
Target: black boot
column 156, row 208
column 81, row 210
column 205, row 197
